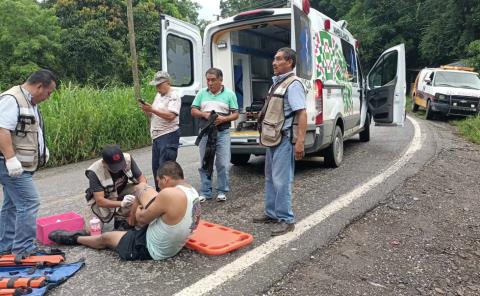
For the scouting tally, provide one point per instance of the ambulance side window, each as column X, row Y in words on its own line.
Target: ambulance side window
column 349, row 55
column 180, row 60
column 384, row 72
column 303, row 44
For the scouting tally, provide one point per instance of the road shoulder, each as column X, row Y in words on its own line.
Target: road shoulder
column 424, row 240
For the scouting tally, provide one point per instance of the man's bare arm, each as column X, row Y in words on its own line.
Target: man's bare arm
column 105, row 202
column 199, row 114
column 223, row 119
column 6, row 145
column 156, row 209
column 302, row 128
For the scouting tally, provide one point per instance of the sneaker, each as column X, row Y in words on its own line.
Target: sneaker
column 282, row 228
column 202, row 198
column 63, row 237
column 221, row 197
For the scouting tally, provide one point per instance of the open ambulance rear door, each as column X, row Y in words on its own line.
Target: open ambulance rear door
column 181, row 57
column 386, row 87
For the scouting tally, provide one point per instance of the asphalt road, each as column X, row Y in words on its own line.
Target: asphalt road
column 325, row 201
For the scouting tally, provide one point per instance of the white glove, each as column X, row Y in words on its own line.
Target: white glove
column 47, row 154
column 14, row 167
column 127, row 200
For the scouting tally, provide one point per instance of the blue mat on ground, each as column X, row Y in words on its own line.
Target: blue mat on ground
column 56, row 274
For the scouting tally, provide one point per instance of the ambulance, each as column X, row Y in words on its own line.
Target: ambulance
column 341, row 101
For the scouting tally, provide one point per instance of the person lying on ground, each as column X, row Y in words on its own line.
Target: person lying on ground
column 164, row 221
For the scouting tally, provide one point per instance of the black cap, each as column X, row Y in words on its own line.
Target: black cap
column 113, row 156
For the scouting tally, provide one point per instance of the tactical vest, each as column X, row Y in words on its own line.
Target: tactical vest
column 103, row 174
column 25, row 136
column 272, row 117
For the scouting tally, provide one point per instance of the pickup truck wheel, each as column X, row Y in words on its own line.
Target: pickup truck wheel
column 365, row 134
column 429, row 113
column 414, row 105
column 240, row 159
column 333, row 154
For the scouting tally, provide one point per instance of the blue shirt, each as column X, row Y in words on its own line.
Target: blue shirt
column 294, row 98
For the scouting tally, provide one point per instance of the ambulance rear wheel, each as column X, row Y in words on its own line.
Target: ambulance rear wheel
column 240, row 159
column 333, row 155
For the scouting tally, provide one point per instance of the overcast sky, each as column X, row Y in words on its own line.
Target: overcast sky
column 209, row 9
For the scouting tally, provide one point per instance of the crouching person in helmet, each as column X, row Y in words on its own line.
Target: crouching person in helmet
column 164, row 221
column 114, row 181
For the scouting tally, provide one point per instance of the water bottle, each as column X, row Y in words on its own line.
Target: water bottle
column 95, row 226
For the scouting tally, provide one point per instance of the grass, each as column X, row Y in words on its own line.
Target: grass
column 468, row 127
column 80, row 121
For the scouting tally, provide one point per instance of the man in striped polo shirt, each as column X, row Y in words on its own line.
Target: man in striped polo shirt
column 218, row 98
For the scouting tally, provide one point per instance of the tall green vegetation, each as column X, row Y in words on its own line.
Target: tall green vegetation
column 80, row 121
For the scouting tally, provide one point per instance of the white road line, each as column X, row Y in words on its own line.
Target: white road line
column 236, row 267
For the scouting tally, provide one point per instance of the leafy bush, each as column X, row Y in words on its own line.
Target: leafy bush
column 80, row 121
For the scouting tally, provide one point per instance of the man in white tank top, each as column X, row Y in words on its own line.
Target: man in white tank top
column 164, row 221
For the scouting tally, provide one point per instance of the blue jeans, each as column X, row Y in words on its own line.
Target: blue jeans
column 279, row 171
column 165, row 148
column 222, row 164
column 19, row 211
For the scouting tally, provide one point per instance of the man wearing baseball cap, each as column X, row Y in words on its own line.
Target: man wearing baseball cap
column 114, row 181
column 164, row 122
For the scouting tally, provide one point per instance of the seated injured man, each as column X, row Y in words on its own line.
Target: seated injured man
column 163, row 221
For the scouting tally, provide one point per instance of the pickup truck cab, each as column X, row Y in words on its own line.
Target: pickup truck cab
column 447, row 91
column 341, row 101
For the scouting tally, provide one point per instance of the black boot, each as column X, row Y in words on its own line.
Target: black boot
column 64, row 237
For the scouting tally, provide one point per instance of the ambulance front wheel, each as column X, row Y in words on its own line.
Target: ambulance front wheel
column 240, row 159
column 333, row 154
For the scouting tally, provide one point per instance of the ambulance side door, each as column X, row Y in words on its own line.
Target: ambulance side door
column 386, row 87
column 181, row 57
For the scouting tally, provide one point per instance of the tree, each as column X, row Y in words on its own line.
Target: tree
column 95, row 36
column 29, row 40
column 473, row 52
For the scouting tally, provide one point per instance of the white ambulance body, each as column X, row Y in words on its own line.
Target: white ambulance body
column 340, row 102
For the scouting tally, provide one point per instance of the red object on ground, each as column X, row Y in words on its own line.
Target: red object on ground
column 70, row 221
column 41, row 260
column 215, row 239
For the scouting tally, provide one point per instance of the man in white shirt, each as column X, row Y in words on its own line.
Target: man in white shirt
column 22, row 151
column 164, row 122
